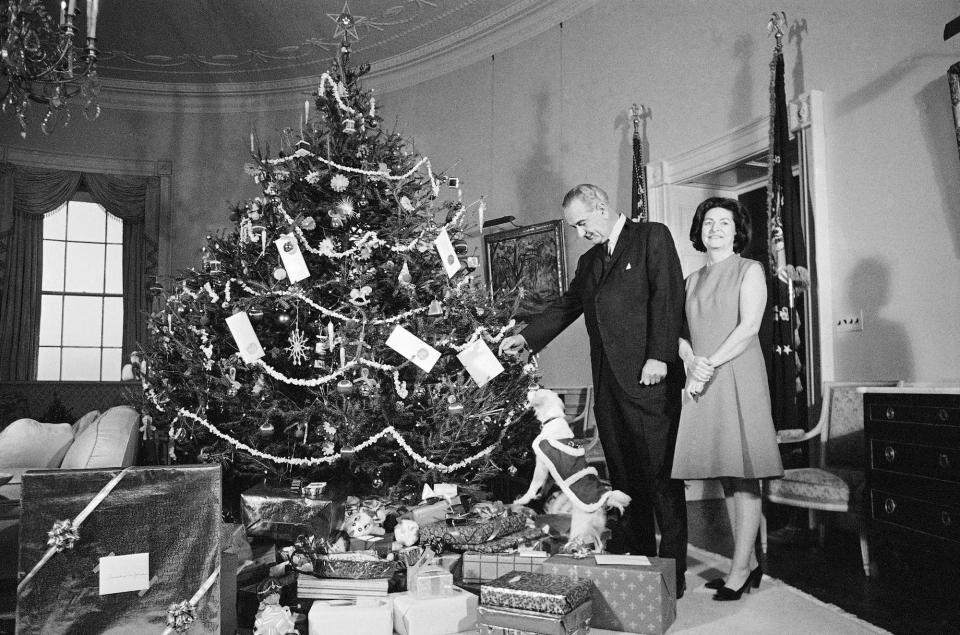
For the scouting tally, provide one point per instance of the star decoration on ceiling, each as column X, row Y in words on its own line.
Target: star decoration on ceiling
column 346, row 23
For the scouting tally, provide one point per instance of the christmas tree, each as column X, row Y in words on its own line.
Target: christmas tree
column 335, row 332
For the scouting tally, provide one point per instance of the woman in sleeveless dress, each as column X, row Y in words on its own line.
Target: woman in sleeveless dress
column 726, row 430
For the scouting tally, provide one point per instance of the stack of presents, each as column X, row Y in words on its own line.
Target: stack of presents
column 144, row 549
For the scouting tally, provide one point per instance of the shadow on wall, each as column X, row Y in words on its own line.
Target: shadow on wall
column 539, row 186
column 936, row 118
column 882, row 350
column 744, row 48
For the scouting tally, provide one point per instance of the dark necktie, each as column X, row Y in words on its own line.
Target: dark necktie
column 607, row 258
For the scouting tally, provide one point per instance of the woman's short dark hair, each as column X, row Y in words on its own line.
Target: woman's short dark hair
column 741, row 220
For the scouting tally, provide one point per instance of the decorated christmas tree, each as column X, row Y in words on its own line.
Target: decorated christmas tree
column 336, row 332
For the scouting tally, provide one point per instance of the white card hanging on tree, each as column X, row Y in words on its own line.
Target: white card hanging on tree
column 480, row 362
column 448, row 254
column 413, row 348
column 246, row 338
column 292, row 258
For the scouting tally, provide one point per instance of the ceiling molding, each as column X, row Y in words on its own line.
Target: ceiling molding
column 498, row 32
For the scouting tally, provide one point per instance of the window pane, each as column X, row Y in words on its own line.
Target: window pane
column 85, row 267
column 111, row 365
column 48, row 364
column 114, row 229
column 53, row 251
column 85, row 221
column 82, row 320
column 50, row 318
column 55, row 223
column 81, row 363
column 114, row 269
column 112, row 321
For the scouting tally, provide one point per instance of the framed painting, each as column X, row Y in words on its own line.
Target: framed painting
column 531, row 258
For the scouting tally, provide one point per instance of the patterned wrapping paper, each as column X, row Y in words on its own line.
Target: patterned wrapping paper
column 637, row 599
column 483, row 567
column 172, row 513
column 527, row 536
column 540, row 592
column 283, row 515
column 473, row 533
column 493, row 620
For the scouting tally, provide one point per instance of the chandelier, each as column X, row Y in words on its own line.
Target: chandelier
column 40, row 63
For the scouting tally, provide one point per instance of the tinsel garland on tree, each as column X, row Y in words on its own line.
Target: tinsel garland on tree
column 365, row 213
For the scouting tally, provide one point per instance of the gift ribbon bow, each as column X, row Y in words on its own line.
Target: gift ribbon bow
column 66, row 533
column 181, row 614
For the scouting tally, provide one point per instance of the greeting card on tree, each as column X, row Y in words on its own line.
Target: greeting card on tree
column 480, row 362
column 292, row 258
column 448, row 254
column 413, row 348
column 246, row 338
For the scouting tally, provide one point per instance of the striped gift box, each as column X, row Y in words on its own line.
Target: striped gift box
column 483, row 567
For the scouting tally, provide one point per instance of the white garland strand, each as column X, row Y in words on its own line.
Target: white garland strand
column 389, row 430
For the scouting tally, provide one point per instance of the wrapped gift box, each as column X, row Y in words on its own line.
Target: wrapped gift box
column 541, row 592
column 434, row 616
column 283, row 514
column 633, row 598
column 492, row 620
column 483, row 567
column 171, row 514
column 365, row 616
column 473, row 532
column 529, row 536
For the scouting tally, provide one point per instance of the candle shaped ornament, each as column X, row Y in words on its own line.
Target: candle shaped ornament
column 93, row 8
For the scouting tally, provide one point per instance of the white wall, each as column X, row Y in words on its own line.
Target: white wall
column 550, row 113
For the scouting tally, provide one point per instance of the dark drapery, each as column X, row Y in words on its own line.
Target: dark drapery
column 26, row 195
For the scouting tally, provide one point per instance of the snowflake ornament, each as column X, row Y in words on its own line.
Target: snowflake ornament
column 298, row 347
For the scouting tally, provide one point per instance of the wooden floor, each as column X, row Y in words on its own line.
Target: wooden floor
column 908, row 593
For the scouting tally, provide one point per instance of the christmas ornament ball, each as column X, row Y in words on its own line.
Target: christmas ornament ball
column 280, row 273
column 266, row 430
column 282, row 318
column 344, row 386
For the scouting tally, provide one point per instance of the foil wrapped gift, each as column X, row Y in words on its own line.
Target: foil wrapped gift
column 493, row 620
column 282, row 514
column 540, row 592
column 474, row 532
column 638, row 598
column 147, row 548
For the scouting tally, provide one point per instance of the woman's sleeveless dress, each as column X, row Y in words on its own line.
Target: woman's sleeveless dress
column 727, row 430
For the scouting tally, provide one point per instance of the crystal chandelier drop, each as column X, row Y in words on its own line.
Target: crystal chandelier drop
column 40, row 63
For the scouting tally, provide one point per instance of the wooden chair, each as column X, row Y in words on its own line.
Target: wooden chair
column 835, row 480
column 578, row 408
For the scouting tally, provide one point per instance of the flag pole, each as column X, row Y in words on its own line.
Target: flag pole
column 638, row 202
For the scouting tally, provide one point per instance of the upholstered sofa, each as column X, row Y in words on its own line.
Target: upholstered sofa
column 96, row 440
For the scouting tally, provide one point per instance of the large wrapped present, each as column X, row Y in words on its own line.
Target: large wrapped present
column 556, row 594
column 473, row 532
column 626, row 597
column 482, row 567
column 283, row 514
column 435, row 615
column 529, row 536
column 365, row 616
column 493, row 620
column 140, row 546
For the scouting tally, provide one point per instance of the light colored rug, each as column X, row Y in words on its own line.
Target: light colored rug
column 776, row 607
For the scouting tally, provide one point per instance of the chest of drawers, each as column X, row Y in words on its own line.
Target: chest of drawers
column 912, row 439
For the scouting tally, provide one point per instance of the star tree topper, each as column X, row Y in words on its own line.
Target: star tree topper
column 346, row 23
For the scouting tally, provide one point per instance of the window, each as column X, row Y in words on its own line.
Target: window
column 81, row 310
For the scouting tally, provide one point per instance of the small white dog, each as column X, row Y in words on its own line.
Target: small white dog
column 564, row 461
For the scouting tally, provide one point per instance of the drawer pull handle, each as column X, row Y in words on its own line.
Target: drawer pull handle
column 889, row 454
column 889, row 506
column 889, row 413
column 944, row 461
column 942, row 414
column 945, row 519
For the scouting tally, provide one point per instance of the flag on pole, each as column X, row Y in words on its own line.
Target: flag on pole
column 638, row 198
column 788, row 263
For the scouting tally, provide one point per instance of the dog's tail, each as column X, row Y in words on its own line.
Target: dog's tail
column 618, row 499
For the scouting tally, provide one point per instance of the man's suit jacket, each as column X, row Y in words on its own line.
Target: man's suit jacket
column 633, row 307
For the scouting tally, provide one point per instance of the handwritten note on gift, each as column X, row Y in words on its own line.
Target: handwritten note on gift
column 119, row 574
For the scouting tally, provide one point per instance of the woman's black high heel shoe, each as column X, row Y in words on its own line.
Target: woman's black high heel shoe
column 718, row 583
column 726, row 594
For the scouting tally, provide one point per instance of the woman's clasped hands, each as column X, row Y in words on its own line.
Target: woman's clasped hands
column 699, row 371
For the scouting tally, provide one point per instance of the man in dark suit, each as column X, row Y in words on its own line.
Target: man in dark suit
column 629, row 288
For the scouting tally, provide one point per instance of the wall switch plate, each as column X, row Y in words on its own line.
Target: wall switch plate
column 848, row 323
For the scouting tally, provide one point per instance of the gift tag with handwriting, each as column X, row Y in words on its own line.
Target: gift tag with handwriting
column 120, row 574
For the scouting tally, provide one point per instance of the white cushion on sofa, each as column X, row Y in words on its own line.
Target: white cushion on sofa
column 31, row 444
column 110, row 440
